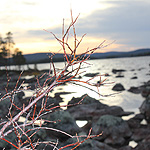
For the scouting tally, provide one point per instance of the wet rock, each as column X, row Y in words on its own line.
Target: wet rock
column 91, row 74
column 107, row 75
column 135, row 77
column 118, row 87
column 115, row 130
column 118, row 70
column 62, row 93
column 120, row 76
column 140, row 69
column 135, row 90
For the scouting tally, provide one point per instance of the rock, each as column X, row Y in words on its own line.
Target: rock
column 140, row 133
column 87, row 111
column 119, row 76
column 62, row 120
column 31, row 80
column 135, row 121
column 89, row 144
column 140, row 69
column 86, row 128
column 145, row 109
column 107, row 75
column 20, row 95
column 143, row 146
column 125, row 148
column 118, row 87
column 115, row 130
column 135, row 77
column 146, row 91
column 91, row 74
column 86, row 100
column 92, row 109
column 135, row 90
column 5, row 105
column 118, row 70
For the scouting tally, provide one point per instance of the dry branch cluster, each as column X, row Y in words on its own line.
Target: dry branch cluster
column 26, row 131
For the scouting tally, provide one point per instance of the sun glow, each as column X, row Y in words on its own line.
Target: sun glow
column 37, row 15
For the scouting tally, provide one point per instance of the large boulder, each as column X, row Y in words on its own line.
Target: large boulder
column 115, row 130
column 86, row 100
column 62, row 120
column 92, row 109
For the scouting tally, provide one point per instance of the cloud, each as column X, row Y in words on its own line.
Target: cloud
column 126, row 22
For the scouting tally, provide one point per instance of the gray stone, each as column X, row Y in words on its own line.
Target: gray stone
column 118, row 87
column 115, row 130
column 62, row 120
column 145, row 109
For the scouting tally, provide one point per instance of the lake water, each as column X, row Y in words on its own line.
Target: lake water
column 135, row 67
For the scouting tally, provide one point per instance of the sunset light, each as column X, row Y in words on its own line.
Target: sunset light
column 99, row 19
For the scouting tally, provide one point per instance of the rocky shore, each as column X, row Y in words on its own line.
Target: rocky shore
column 117, row 133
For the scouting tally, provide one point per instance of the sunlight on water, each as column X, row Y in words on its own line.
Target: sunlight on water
column 81, row 123
column 133, row 144
column 136, row 66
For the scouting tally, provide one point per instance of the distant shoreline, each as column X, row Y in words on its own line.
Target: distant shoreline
column 39, row 58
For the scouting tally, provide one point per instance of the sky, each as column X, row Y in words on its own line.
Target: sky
column 124, row 24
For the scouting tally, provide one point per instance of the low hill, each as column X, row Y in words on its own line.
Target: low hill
column 44, row 57
column 139, row 52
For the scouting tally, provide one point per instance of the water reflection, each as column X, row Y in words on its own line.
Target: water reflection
column 136, row 66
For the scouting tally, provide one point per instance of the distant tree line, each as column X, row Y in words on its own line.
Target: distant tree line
column 8, row 54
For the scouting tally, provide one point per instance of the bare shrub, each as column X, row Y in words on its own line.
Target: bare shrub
column 26, row 131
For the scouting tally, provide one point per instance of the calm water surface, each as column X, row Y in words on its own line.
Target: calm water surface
column 134, row 66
